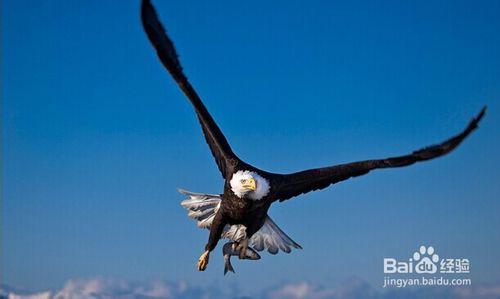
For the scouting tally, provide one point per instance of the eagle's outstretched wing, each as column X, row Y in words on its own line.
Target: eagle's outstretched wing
column 224, row 156
column 290, row 185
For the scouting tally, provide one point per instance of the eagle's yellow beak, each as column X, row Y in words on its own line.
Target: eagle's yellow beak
column 250, row 184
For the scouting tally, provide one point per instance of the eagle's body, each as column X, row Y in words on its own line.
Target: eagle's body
column 243, row 211
column 240, row 213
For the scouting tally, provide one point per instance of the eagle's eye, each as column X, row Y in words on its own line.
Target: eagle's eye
column 243, row 181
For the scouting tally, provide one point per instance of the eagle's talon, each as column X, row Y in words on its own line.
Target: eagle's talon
column 203, row 261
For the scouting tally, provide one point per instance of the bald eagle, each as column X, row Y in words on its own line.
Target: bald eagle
column 240, row 212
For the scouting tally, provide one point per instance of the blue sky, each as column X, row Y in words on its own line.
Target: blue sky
column 97, row 137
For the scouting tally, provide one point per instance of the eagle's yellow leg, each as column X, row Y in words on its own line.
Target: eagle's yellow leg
column 203, row 261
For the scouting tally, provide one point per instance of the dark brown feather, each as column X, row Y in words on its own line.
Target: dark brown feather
column 290, row 185
column 225, row 158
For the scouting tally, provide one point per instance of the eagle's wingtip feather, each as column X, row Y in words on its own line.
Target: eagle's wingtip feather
column 481, row 114
column 474, row 123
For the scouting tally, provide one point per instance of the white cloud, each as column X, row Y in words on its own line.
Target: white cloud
column 42, row 295
column 352, row 288
column 359, row 289
column 104, row 288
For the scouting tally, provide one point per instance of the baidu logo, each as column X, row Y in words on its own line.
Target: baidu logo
column 425, row 260
column 425, row 268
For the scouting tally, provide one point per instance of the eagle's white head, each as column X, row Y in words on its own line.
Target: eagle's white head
column 249, row 184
